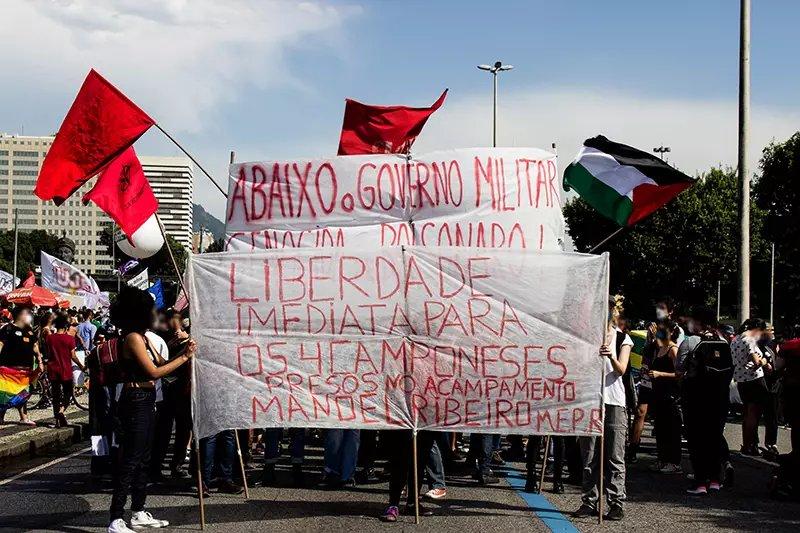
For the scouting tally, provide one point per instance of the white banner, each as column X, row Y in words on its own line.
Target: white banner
column 473, row 198
column 7, row 282
column 140, row 280
column 463, row 339
column 60, row 276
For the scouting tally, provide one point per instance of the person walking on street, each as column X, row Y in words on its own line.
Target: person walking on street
column 61, row 350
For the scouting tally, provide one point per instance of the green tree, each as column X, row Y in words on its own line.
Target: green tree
column 680, row 251
column 216, row 246
column 30, row 244
column 777, row 191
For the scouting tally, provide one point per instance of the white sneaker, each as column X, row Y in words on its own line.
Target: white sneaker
column 671, row 469
column 119, row 526
column 141, row 519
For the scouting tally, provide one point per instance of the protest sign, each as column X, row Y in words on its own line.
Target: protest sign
column 457, row 339
column 7, row 282
column 140, row 280
column 477, row 197
column 60, row 276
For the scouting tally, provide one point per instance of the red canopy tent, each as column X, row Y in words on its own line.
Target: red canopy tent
column 35, row 295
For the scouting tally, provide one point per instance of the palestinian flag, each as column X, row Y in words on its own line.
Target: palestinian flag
column 621, row 182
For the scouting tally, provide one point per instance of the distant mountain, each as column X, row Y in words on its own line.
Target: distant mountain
column 203, row 219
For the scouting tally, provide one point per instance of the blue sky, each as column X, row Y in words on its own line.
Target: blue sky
column 268, row 79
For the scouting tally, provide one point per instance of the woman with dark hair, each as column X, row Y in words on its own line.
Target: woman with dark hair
column 134, row 312
column 20, row 362
column 748, row 373
column 666, row 398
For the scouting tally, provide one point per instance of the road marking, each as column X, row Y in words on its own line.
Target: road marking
column 541, row 506
column 42, row 467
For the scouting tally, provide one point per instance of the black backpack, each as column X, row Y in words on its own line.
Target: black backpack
column 710, row 358
column 631, row 393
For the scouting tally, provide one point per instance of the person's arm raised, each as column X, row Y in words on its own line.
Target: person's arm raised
column 137, row 349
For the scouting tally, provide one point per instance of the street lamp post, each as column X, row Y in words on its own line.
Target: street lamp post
column 494, row 69
column 661, row 150
column 744, row 170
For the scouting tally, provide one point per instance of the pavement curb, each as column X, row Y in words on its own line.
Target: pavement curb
column 35, row 440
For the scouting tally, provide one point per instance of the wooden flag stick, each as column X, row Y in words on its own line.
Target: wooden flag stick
column 416, row 476
column 182, row 149
column 200, row 483
column 241, row 465
column 544, row 461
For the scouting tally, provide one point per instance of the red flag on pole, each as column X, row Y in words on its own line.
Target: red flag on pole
column 29, row 281
column 99, row 126
column 370, row 129
column 122, row 191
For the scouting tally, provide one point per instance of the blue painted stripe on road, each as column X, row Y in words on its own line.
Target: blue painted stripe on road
column 541, row 506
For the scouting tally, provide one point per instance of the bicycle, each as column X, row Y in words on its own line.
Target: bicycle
column 41, row 398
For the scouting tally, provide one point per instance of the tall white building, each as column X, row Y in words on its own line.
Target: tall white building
column 20, row 160
column 172, row 180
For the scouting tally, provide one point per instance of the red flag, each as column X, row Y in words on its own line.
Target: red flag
column 370, row 129
column 99, row 126
column 122, row 191
column 29, row 281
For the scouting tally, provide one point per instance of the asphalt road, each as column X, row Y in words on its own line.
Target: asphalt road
column 59, row 497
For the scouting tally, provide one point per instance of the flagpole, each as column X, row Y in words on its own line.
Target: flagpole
column 601, row 243
column 171, row 138
column 16, row 244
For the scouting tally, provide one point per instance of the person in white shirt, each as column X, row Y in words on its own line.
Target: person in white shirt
column 749, row 365
column 616, row 354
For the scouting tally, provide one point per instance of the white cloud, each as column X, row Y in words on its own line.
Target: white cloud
column 701, row 133
column 177, row 59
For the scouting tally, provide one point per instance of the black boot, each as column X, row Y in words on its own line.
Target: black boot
column 532, row 483
column 633, row 449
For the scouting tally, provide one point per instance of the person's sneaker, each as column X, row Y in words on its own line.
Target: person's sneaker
column 436, row 494
column 558, row 487
column 365, row 476
column 729, row 475
column 179, row 472
column 226, row 486
column 671, row 469
column 390, row 514
column 698, row 490
column 143, row 519
column 410, row 510
column 497, row 458
column 119, row 526
column 348, row 483
column 487, row 478
column 714, row 486
column 585, row 510
column 615, row 513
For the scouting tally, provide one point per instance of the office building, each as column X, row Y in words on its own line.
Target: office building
column 20, row 160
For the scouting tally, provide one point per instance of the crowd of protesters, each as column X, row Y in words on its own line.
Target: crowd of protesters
column 140, row 412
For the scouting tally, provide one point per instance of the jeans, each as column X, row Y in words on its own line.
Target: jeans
column 705, row 405
column 341, row 452
column 218, row 451
column 483, row 445
column 272, row 440
column 134, row 429
column 401, row 462
column 668, row 426
column 615, row 427
column 175, row 409
column 61, row 391
column 435, row 462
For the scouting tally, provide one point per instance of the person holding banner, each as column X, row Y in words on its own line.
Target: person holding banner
column 616, row 354
column 134, row 313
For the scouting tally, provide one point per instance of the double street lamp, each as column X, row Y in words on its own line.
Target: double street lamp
column 495, row 69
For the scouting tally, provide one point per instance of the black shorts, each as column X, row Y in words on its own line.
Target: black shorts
column 754, row 392
column 645, row 395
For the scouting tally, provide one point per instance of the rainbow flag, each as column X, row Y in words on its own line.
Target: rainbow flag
column 14, row 385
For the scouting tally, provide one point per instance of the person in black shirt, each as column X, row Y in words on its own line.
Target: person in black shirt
column 20, row 350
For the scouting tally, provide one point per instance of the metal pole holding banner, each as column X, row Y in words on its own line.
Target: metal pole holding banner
column 16, row 245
